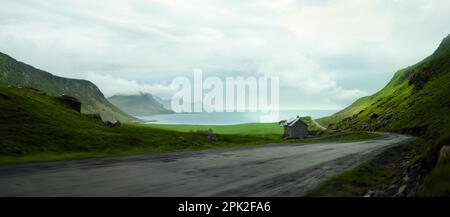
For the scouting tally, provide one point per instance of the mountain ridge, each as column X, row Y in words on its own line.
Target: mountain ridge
column 418, row 90
column 139, row 104
column 16, row 73
column 416, row 101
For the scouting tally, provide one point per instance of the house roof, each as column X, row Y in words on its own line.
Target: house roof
column 291, row 122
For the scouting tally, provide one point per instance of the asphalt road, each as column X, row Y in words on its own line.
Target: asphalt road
column 269, row 170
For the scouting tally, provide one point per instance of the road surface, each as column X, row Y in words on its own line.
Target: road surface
column 270, row 170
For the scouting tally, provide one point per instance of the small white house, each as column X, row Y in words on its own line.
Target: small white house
column 294, row 128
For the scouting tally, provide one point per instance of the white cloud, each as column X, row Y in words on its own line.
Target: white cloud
column 351, row 94
column 110, row 85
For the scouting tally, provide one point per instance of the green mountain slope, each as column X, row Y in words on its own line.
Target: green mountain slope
column 142, row 104
column 16, row 73
column 415, row 101
column 34, row 124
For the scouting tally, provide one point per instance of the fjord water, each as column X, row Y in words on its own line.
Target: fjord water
column 228, row 118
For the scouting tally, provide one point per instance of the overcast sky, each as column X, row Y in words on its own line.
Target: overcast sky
column 326, row 53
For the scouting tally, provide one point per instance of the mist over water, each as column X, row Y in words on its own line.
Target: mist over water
column 227, row 118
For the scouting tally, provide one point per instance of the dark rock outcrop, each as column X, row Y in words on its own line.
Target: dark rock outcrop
column 374, row 116
column 72, row 102
column 3, row 96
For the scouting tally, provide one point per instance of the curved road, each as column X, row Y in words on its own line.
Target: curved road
column 271, row 170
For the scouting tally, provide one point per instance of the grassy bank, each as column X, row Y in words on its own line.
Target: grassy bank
column 436, row 182
column 412, row 169
column 147, row 140
column 238, row 129
column 385, row 170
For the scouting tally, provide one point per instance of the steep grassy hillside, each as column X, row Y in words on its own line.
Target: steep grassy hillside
column 17, row 73
column 142, row 104
column 415, row 101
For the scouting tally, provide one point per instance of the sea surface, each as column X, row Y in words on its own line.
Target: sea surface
column 228, row 118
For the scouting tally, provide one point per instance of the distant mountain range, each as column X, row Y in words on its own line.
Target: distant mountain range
column 16, row 73
column 141, row 104
column 166, row 103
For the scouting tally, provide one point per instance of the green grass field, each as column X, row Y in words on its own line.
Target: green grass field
column 239, row 129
